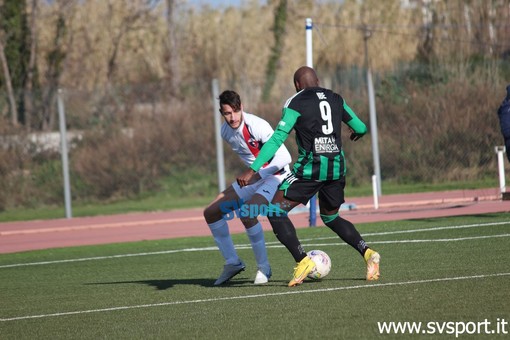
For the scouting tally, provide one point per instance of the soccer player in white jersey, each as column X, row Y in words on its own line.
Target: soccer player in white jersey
column 245, row 133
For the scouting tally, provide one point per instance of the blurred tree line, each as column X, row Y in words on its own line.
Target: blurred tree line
column 137, row 75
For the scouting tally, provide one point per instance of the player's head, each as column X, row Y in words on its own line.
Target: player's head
column 305, row 77
column 231, row 108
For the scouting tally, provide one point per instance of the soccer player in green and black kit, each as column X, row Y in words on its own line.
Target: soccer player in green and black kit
column 316, row 114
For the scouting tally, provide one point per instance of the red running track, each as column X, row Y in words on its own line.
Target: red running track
column 44, row 234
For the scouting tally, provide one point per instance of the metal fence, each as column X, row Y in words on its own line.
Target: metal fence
column 441, row 134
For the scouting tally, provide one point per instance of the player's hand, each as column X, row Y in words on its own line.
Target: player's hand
column 245, row 177
column 255, row 178
column 354, row 136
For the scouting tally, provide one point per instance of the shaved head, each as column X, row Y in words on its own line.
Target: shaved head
column 305, row 77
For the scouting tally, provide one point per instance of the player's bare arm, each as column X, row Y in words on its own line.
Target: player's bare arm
column 245, row 178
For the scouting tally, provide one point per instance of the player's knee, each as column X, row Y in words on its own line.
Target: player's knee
column 328, row 218
column 211, row 214
column 207, row 213
column 249, row 222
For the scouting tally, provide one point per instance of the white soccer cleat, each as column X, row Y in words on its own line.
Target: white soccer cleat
column 262, row 278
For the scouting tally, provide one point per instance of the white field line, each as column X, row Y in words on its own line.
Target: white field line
column 246, row 246
column 109, row 257
column 254, row 296
column 278, row 245
column 477, row 225
column 406, row 241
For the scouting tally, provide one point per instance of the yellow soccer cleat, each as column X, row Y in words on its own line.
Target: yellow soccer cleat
column 302, row 269
column 372, row 258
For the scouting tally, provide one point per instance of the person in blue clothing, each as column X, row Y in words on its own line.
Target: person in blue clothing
column 504, row 120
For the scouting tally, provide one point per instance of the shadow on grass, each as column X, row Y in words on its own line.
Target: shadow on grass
column 165, row 284
column 437, row 220
column 162, row 284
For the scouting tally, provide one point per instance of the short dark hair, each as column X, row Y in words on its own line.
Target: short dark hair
column 231, row 98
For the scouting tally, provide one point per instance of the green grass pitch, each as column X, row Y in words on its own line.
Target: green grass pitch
column 433, row 270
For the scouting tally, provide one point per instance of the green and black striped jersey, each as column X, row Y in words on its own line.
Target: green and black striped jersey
column 316, row 115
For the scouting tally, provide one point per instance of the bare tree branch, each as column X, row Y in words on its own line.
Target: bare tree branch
column 8, row 82
column 28, row 96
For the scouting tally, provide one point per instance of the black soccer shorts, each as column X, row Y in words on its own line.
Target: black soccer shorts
column 331, row 193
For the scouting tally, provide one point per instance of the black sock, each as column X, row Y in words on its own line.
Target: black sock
column 348, row 233
column 286, row 234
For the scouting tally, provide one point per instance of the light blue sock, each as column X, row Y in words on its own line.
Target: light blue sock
column 258, row 244
column 224, row 242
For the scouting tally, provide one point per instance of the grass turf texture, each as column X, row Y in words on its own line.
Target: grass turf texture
column 163, row 289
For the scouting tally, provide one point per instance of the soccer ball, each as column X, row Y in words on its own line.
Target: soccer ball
column 322, row 264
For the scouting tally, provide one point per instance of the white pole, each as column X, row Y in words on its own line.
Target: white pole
column 65, row 162
column 309, row 57
column 373, row 115
column 373, row 130
column 219, row 142
column 500, row 150
column 374, row 190
column 309, row 62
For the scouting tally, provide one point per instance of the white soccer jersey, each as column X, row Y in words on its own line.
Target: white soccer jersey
column 255, row 131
